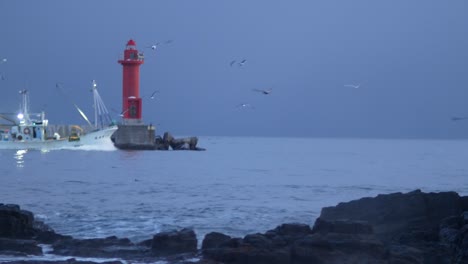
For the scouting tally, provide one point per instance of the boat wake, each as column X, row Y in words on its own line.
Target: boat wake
column 98, row 147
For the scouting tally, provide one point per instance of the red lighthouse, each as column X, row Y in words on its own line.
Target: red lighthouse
column 132, row 104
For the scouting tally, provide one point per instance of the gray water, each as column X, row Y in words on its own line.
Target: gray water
column 237, row 186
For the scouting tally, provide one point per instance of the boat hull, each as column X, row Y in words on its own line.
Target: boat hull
column 92, row 139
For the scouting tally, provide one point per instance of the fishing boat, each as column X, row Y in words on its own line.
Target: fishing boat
column 32, row 130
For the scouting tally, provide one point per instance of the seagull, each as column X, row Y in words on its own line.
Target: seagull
column 154, row 46
column 123, row 112
column 245, row 105
column 242, row 62
column 266, row 92
column 455, row 118
column 152, row 95
column 353, row 85
column 232, row 62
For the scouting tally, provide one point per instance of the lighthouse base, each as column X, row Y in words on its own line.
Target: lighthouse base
column 135, row 137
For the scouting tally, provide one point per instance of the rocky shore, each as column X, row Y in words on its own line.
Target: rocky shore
column 397, row 228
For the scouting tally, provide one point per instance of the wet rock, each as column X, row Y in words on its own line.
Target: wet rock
column 15, row 223
column 110, row 247
column 297, row 243
column 288, row 233
column 68, row 261
column 19, row 247
column 392, row 215
column 339, row 248
column 407, row 220
column 160, row 143
column 393, row 228
column 454, row 234
column 189, row 143
column 174, row 242
column 214, row 240
column 342, row 227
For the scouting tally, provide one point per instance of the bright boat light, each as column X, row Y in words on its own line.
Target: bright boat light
column 20, row 116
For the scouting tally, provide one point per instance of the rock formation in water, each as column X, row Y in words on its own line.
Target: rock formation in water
column 188, row 143
column 396, row 228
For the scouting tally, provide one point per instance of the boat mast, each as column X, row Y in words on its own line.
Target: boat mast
column 24, row 108
column 102, row 117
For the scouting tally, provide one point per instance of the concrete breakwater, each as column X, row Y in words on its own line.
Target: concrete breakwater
column 143, row 137
column 397, row 228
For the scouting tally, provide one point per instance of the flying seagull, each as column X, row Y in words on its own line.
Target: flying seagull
column 455, row 118
column 353, row 85
column 245, row 106
column 242, row 62
column 154, row 46
column 266, row 92
column 152, row 95
column 123, row 112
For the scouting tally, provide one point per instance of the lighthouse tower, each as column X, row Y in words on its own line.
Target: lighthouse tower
column 131, row 104
column 132, row 132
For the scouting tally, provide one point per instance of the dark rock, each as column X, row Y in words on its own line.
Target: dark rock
column 339, row 248
column 214, row 240
column 240, row 253
column 19, row 247
column 189, row 143
column 286, row 234
column 296, row 243
column 342, row 227
column 15, row 223
column 174, row 242
column 464, row 202
column 109, row 247
column 292, row 230
column 161, row 144
column 393, row 214
column 68, row 261
column 405, row 255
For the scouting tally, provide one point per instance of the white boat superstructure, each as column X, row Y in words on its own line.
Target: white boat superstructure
column 31, row 130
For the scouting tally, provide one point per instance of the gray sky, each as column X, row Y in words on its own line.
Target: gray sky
column 410, row 56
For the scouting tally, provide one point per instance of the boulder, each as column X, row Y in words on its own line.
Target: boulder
column 189, row 143
column 109, row 247
column 214, row 240
column 10, row 246
column 15, row 223
column 392, row 215
column 339, row 248
column 342, row 227
column 160, row 143
column 174, row 242
column 337, row 242
column 454, row 234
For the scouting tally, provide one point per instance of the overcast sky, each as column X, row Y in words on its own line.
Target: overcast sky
column 410, row 57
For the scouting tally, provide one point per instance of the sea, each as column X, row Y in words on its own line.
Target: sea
column 238, row 186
